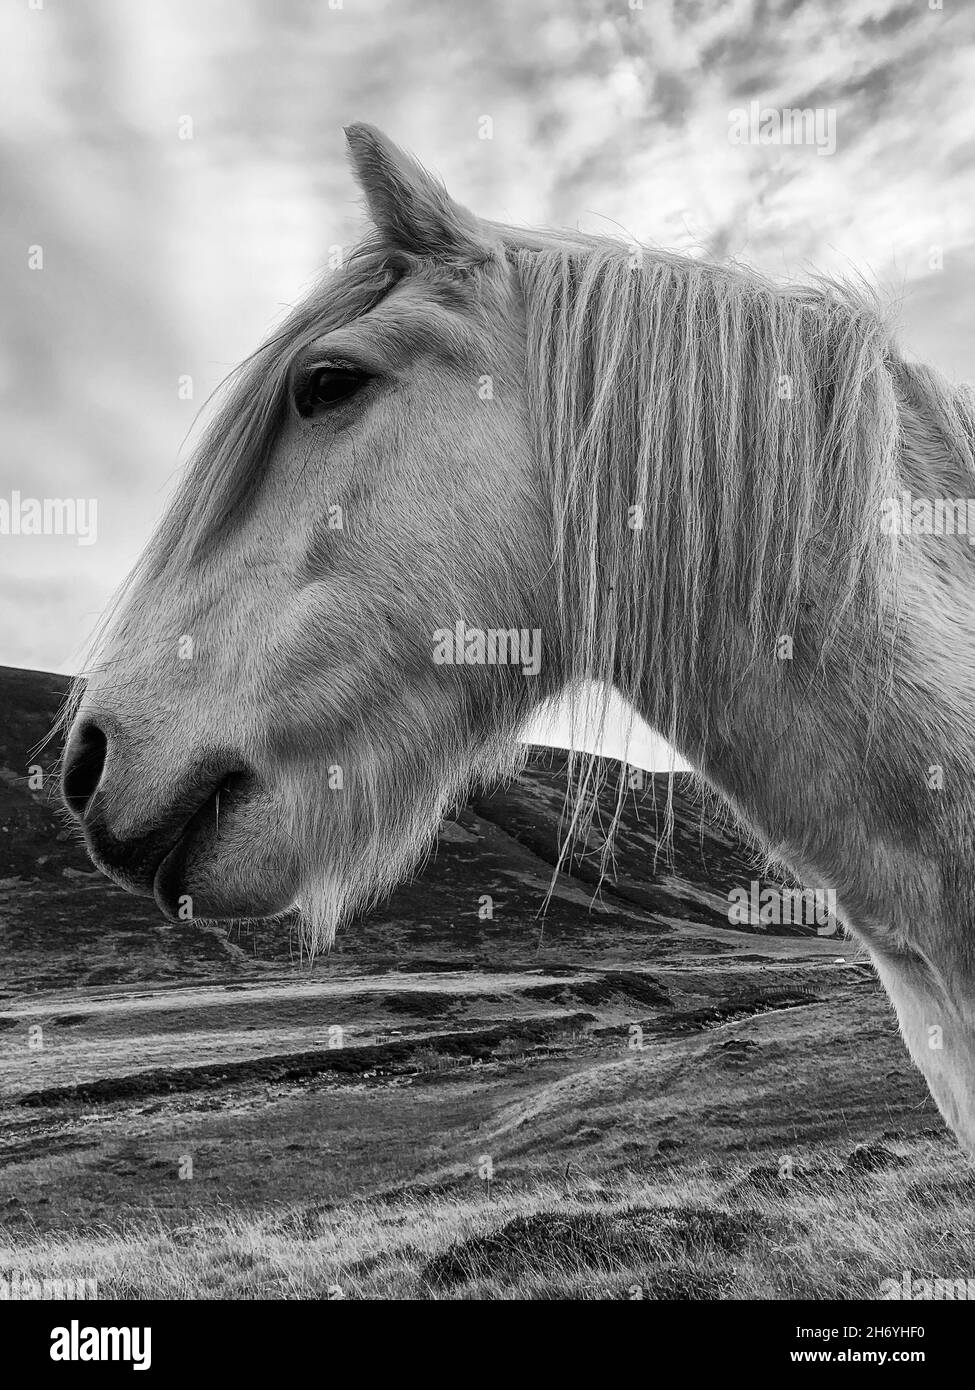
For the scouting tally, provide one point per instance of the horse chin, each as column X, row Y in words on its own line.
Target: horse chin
column 217, row 875
column 203, row 894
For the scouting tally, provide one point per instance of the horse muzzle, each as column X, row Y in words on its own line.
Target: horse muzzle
column 154, row 843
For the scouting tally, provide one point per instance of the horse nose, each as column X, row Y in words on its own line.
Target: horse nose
column 84, row 763
column 132, row 816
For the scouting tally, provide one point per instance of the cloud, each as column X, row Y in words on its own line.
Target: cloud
column 168, row 258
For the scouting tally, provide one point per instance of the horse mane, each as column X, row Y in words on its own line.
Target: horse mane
column 755, row 428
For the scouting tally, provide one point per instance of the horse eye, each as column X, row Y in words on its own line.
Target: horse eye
column 327, row 387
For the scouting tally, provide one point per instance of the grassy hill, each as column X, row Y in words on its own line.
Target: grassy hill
column 625, row 1093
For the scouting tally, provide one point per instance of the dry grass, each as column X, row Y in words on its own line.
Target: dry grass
column 830, row 1231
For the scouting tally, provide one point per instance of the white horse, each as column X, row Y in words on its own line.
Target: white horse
column 479, row 467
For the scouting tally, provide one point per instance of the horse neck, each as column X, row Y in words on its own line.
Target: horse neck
column 853, row 764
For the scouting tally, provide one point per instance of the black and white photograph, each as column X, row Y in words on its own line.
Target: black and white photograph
column 487, row 670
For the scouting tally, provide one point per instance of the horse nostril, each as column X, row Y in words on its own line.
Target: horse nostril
column 83, row 766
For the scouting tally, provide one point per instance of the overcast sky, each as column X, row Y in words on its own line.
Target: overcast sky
column 166, row 257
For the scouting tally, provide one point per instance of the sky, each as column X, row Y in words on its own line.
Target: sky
column 180, row 164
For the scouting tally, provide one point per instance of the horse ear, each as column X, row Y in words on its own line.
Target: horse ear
column 411, row 209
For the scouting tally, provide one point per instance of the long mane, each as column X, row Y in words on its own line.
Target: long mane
column 717, row 449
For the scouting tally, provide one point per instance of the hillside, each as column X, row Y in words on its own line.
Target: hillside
column 624, row 1038
column 62, row 924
